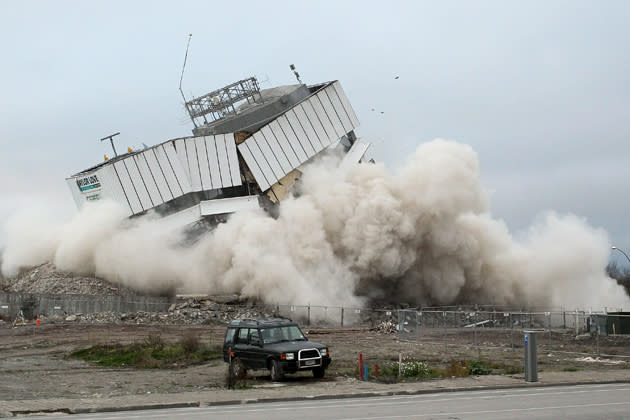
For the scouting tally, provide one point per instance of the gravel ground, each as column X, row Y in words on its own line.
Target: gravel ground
column 34, row 362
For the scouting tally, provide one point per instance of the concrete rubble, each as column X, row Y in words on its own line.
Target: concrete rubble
column 46, row 278
column 386, row 327
column 190, row 312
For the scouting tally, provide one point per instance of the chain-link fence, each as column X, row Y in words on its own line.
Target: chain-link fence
column 336, row 316
column 580, row 332
column 28, row 306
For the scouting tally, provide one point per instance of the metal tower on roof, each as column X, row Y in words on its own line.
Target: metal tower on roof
column 222, row 102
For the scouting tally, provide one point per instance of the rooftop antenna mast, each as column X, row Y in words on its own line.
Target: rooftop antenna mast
column 297, row 75
column 111, row 140
column 184, row 67
column 180, row 82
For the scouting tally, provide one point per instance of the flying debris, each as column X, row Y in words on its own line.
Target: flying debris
column 396, row 77
column 246, row 152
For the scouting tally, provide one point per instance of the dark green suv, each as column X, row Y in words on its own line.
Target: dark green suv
column 274, row 344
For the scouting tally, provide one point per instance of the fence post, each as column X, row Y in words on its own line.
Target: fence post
column 549, row 326
column 597, row 339
column 445, row 342
column 511, row 331
column 564, row 320
column 474, row 333
column 342, row 316
column 577, row 324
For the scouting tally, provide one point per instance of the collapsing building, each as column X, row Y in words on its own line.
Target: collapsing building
column 247, row 151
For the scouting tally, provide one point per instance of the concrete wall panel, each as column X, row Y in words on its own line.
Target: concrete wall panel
column 149, row 180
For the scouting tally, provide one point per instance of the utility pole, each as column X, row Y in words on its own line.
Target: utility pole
column 111, row 140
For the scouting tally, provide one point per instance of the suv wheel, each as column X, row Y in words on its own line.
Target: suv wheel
column 238, row 370
column 275, row 370
column 318, row 372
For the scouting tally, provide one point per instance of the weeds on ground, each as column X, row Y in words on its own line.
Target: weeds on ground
column 153, row 352
column 408, row 369
column 190, row 342
column 411, row 369
column 477, row 367
column 154, row 342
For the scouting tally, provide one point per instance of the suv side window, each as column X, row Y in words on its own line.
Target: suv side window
column 254, row 337
column 242, row 336
column 229, row 336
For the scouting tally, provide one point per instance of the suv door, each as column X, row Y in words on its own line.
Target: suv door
column 241, row 346
column 257, row 352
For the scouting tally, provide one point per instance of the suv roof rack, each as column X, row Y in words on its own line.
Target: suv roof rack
column 261, row 321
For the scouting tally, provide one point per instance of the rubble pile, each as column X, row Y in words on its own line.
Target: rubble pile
column 47, row 279
column 386, row 327
column 191, row 312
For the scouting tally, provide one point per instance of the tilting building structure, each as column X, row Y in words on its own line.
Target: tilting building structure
column 246, row 151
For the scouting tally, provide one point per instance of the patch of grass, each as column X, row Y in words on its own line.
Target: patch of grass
column 478, row 367
column 150, row 354
column 513, row 369
column 571, row 369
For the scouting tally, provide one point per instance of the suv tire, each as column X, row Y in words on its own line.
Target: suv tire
column 319, row 372
column 238, row 370
column 275, row 370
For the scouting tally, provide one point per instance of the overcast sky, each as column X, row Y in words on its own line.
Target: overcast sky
column 540, row 89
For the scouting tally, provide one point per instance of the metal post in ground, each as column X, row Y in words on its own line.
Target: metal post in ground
column 597, row 340
column 511, row 330
column 445, row 342
column 308, row 321
column 530, row 365
column 549, row 327
column 342, row 316
column 564, row 320
column 577, row 323
column 361, row 366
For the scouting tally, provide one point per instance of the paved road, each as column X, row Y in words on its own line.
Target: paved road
column 570, row 402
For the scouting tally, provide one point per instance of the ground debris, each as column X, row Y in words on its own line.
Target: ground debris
column 189, row 312
column 386, row 327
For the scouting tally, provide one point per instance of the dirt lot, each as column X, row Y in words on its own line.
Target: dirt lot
column 34, row 360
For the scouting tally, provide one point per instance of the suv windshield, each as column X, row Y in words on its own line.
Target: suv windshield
column 278, row 334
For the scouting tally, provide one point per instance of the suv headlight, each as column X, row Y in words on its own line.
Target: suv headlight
column 290, row 356
column 323, row 352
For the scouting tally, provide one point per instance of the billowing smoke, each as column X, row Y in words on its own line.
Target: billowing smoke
column 421, row 235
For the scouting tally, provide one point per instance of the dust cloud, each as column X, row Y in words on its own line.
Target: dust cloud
column 421, row 235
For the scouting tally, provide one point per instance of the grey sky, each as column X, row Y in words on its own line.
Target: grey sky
column 540, row 89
